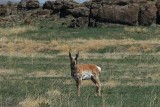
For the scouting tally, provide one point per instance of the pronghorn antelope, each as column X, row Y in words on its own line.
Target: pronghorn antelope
column 84, row 72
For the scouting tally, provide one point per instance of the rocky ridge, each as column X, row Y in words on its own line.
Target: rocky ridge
column 95, row 13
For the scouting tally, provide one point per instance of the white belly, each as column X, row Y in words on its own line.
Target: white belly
column 86, row 75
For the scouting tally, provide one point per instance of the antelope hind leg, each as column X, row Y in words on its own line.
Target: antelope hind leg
column 98, row 85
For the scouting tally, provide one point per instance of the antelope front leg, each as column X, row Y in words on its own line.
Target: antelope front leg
column 78, row 83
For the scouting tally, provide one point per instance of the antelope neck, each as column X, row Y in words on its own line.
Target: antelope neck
column 73, row 66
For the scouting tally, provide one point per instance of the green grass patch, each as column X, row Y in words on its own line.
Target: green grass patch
column 49, row 30
column 128, row 80
column 18, row 89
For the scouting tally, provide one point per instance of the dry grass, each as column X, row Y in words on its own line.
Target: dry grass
column 144, row 65
column 24, row 46
column 145, row 47
column 87, row 45
column 136, row 29
column 46, row 74
column 140, row 84
column 53, row 93
column 32, row 102
column 32, row 47
column 14, row 31
column 7, row 71
column 111, row 83
column 154, row 76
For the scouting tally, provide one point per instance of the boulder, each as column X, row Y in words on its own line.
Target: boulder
column 127, row 14
column 79, row 12
column 97, row 0
column 32, row 4
column 147, row 15
column 123, row 2
column 66, row 5
column 116, row 2
column 5, row 11
column 28, row 4
column 138, row 1
column 94, row 9
column 22, row 4
column 69, row 5
column 79, row 22
column 92, row 23
column 86, row 4
column 9, row 4
column 60, row 6
column 43, row 12
column 158, row 11
column 48, row 5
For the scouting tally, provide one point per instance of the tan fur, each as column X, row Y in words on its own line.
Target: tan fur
column 88, row 67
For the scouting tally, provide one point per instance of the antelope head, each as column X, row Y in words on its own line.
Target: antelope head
column 73, row 60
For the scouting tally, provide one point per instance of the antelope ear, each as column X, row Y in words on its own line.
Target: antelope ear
column 77, row 55
column 70, row 56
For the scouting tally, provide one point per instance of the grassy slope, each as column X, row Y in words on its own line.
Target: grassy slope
column 128, row 79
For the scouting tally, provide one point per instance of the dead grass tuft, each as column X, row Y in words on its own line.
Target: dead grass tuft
column 32, row 102
column 87, row 83
column 111, row 83
column 7, row 71
column 147, row 47
column 136, row 29
column 68, row 82
column 53, row 93
column 154, row 76
column 93, row 45
column 134, row 49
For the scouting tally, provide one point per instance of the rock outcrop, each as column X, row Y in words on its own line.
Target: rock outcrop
column 158, row 11
column 48, row 5
column 147, row 14
column 28, row 4
column 128, row 12
column 92, row 13
column 5, row 10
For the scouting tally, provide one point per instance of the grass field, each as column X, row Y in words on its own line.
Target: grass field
column 35, row 69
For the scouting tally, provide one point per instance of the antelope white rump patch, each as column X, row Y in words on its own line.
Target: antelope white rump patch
column 99, row 68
